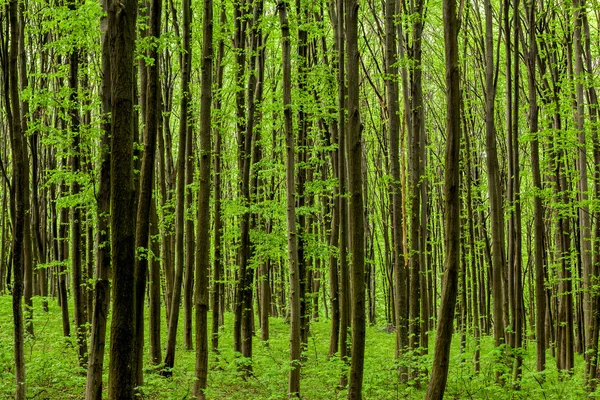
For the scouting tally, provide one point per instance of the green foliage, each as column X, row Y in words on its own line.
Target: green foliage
column 53, row 372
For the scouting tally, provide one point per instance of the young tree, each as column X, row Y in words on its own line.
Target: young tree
column 294, row 376
column 203, row 234
column 494, row 186
column 144, row 205
column 356, row 230
column 185, row 62
column 103, row 258
column 443, row 337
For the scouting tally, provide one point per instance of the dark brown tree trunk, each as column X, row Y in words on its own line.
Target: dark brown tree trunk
column 416, row 132
column 538, row 212
column 63, row 257
column 101, row 288
column 27, row 241
column 154, row 317
column 585, row 231
column 144, row 205
column 517, row 281
column 218, row 285
column 494, row 186
column 443, row 339
column 399, row 274
column 203, row 233
column 294, row 375
column 353, row 152
column 239, row 44
column 121, row 33
column 344, row 286
column 19, row 199
column 180, row 209
column 75, row 242
column 188, row 283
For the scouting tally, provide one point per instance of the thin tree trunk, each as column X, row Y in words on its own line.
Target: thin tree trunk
column 101, row 290
column 142, row 232
column 203, row 233
column 180, row 210
column 496, row 212
column 76, row 216
column 218, row 285
column 154, row 317
column 294, row 375
column 441, row 358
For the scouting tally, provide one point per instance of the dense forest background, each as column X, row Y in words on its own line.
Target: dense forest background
column 299, row 199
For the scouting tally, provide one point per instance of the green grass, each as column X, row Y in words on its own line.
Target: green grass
column 53, row 373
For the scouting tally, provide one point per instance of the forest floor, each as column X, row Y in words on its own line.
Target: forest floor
column 53, row 373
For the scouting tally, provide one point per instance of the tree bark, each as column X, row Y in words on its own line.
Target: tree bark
column 354, row 157
column 101, row 288
column 144, row 205
column 203, row 233
column 186, row 57
column 18, row 184
column 441, row 358
column 121, row 32
column 294, row 375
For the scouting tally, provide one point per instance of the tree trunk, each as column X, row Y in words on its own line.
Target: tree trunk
column 494, row 189
column 18, row 184
column 75, row 242
column 443, row 338
column 218, row 285
column 203, row 233
column 353, row 154
column 180, row 210
column 121, row 32
column 142, row 231
column 101, row 290
column 294, row 375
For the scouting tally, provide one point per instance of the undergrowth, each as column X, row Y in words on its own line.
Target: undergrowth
column 53, row 372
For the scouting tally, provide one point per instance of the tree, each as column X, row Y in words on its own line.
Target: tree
column 353, row 152
column 443, row 337
column 203, row 234
column 103, row 255
column 19, row 200
column 121, row 36
column 144, row 204
column 294, row 376
column 185, row 63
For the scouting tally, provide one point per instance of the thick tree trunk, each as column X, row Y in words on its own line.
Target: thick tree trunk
column 121, row 33
column 19, row 199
